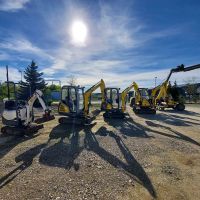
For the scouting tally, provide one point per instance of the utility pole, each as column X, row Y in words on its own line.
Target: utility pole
column 7, row 78
column 20, row 71
column 155, row 81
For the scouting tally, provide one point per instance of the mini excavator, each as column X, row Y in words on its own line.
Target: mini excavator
column 112, row 103
column 161, row 96
column 75, row 103
column 18, row 115
column 140, row 102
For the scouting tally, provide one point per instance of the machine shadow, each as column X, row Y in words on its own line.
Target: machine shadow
column 132, row 168
column 94, row 114
column 63, row 147
column 185, row 118
column 26, row 158
column 128, row 127
column 173, row 120
column 185, row 112
column 177, row 135
column 8, row 146
column 70, row 143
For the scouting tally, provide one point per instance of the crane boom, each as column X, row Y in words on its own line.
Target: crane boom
column 182, row 68
column 163, row 87
column 179, row 68
column 193, row 67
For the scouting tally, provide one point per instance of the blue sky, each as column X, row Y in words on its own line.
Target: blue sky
column 126, row 40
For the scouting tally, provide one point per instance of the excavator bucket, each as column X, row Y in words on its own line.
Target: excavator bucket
column 114, row 114
column 45, row 118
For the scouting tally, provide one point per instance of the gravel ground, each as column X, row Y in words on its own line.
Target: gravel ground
column 140, row 157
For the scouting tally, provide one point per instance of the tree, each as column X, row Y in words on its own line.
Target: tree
column 72, row 80
column 4, row 91
column 49, row 90
column 191, row 88
column 33, row 81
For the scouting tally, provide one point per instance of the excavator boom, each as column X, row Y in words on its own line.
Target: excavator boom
column 89, row 92
column 125, row 92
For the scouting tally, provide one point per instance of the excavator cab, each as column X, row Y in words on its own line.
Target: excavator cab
column 143, row 102
column 72, row 101
column 146, row 100
column 112, row 97
column 144, row 93
column 140, row 101
column 11, row 104
column 75, row 103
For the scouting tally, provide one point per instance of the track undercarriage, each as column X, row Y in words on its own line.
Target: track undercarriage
column 144, row 110
column 21, row 130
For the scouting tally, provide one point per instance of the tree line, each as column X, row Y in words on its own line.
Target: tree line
column 33, row 80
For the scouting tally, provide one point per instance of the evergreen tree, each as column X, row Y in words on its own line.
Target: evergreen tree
column 33, row 81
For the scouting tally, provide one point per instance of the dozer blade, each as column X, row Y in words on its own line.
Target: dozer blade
column 144, row 111
column 114, row 114
column 20, row 131
column 74, row 120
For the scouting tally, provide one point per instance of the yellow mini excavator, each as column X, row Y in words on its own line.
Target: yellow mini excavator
column 161, row 96
column 112, row 103
column 140, row 102
column 75, row 103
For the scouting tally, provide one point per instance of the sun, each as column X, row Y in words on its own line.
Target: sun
column 79, row 32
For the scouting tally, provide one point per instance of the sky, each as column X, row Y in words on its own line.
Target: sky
column 125, row 41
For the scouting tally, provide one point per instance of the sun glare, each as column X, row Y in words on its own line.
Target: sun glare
column 79, row 32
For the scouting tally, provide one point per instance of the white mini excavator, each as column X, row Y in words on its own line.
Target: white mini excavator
column 18, row 115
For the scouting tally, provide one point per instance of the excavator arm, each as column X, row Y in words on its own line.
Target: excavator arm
column 163, row 87
column 38, row 95
column 89, row 92
column 125, row 92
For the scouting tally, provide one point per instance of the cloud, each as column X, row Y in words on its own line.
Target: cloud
column 112, row 45
column 122, row 80
column 12, row 5
column 4, row 56
column 22, row 45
